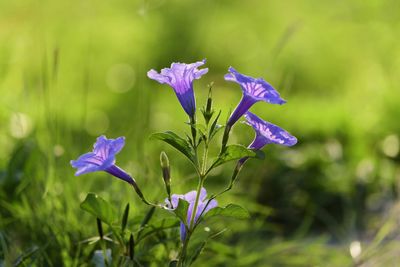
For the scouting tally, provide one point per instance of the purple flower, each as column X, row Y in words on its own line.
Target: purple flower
column 254, row 90
column 180, row 77
column 190, row 197
column 268, row 133
column 103, row 159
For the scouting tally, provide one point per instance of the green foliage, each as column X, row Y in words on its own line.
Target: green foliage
column 181, row 210
column 235, row 152
column 99, row 208
column 335, row 62
column 232, row 210
column 177, row 142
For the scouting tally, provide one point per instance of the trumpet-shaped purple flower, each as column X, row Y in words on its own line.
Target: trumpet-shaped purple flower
column 190, row 197
column 254, row 90
column 268, row 133
column 103, row 159
column 180, row 77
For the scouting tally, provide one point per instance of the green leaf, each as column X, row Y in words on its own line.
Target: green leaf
column 125, row 217
column 232, row 210
column 181, row 210
column 157, row 226
column 99, row 208
column 259, row 154
column 197, row 252
column 148, row 216
column 234, row 152
column 177, row 142
column 215, row 127
column 21, row 260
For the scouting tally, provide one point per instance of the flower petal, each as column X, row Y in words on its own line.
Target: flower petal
column 102, row 157
column 180, row 77
column 267, row 133
column 257, row 88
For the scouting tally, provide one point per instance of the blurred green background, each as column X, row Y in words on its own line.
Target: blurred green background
column 73, row 70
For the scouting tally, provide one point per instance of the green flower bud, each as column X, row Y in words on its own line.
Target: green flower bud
column 166, row 171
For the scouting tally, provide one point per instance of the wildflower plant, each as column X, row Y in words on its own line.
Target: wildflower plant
column 191, row 209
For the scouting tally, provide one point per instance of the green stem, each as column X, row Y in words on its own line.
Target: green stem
column 192, row 225
column 182, row 255
column 196, row 203
column 234, row 176
column 141, row 196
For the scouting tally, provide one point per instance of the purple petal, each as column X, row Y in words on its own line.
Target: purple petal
column 267, row 133
column 120, row 173
column 183, row 232
column 244, row 105
column 102, row 157
column 190, row 196
column 154, row 75
column 180, row 77
column 256, row 88
column 175, row 200
column 203, row 194
column 213, row 204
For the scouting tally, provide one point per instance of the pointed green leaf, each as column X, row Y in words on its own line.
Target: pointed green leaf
column 125, row 217
column 197, row 252
column 181, row 210
column 234, row 152
column 148, row 216
column 232, row 210
column 214, row 126
column 99, row 208
column 259, row 154
column 177, row 142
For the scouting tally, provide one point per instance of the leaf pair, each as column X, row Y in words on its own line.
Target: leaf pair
column 232, row 152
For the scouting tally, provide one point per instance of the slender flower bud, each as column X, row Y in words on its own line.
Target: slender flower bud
column 208, row 111
column 166, row 172
column 125, row 217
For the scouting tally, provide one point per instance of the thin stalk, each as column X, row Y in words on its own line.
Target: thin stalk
column 196, row 203
column 191, row 227
column 234, row 176
column 182, row 255
column 192, row 224
column 141, row 196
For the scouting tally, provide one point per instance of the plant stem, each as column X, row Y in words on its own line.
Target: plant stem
column 192, row 224
column 234, row 176
column 182, row 256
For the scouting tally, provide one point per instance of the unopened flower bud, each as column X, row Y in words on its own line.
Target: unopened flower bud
column 166, row 171
column 208, row 112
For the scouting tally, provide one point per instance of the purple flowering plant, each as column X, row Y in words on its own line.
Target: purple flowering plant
column 193, row 208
